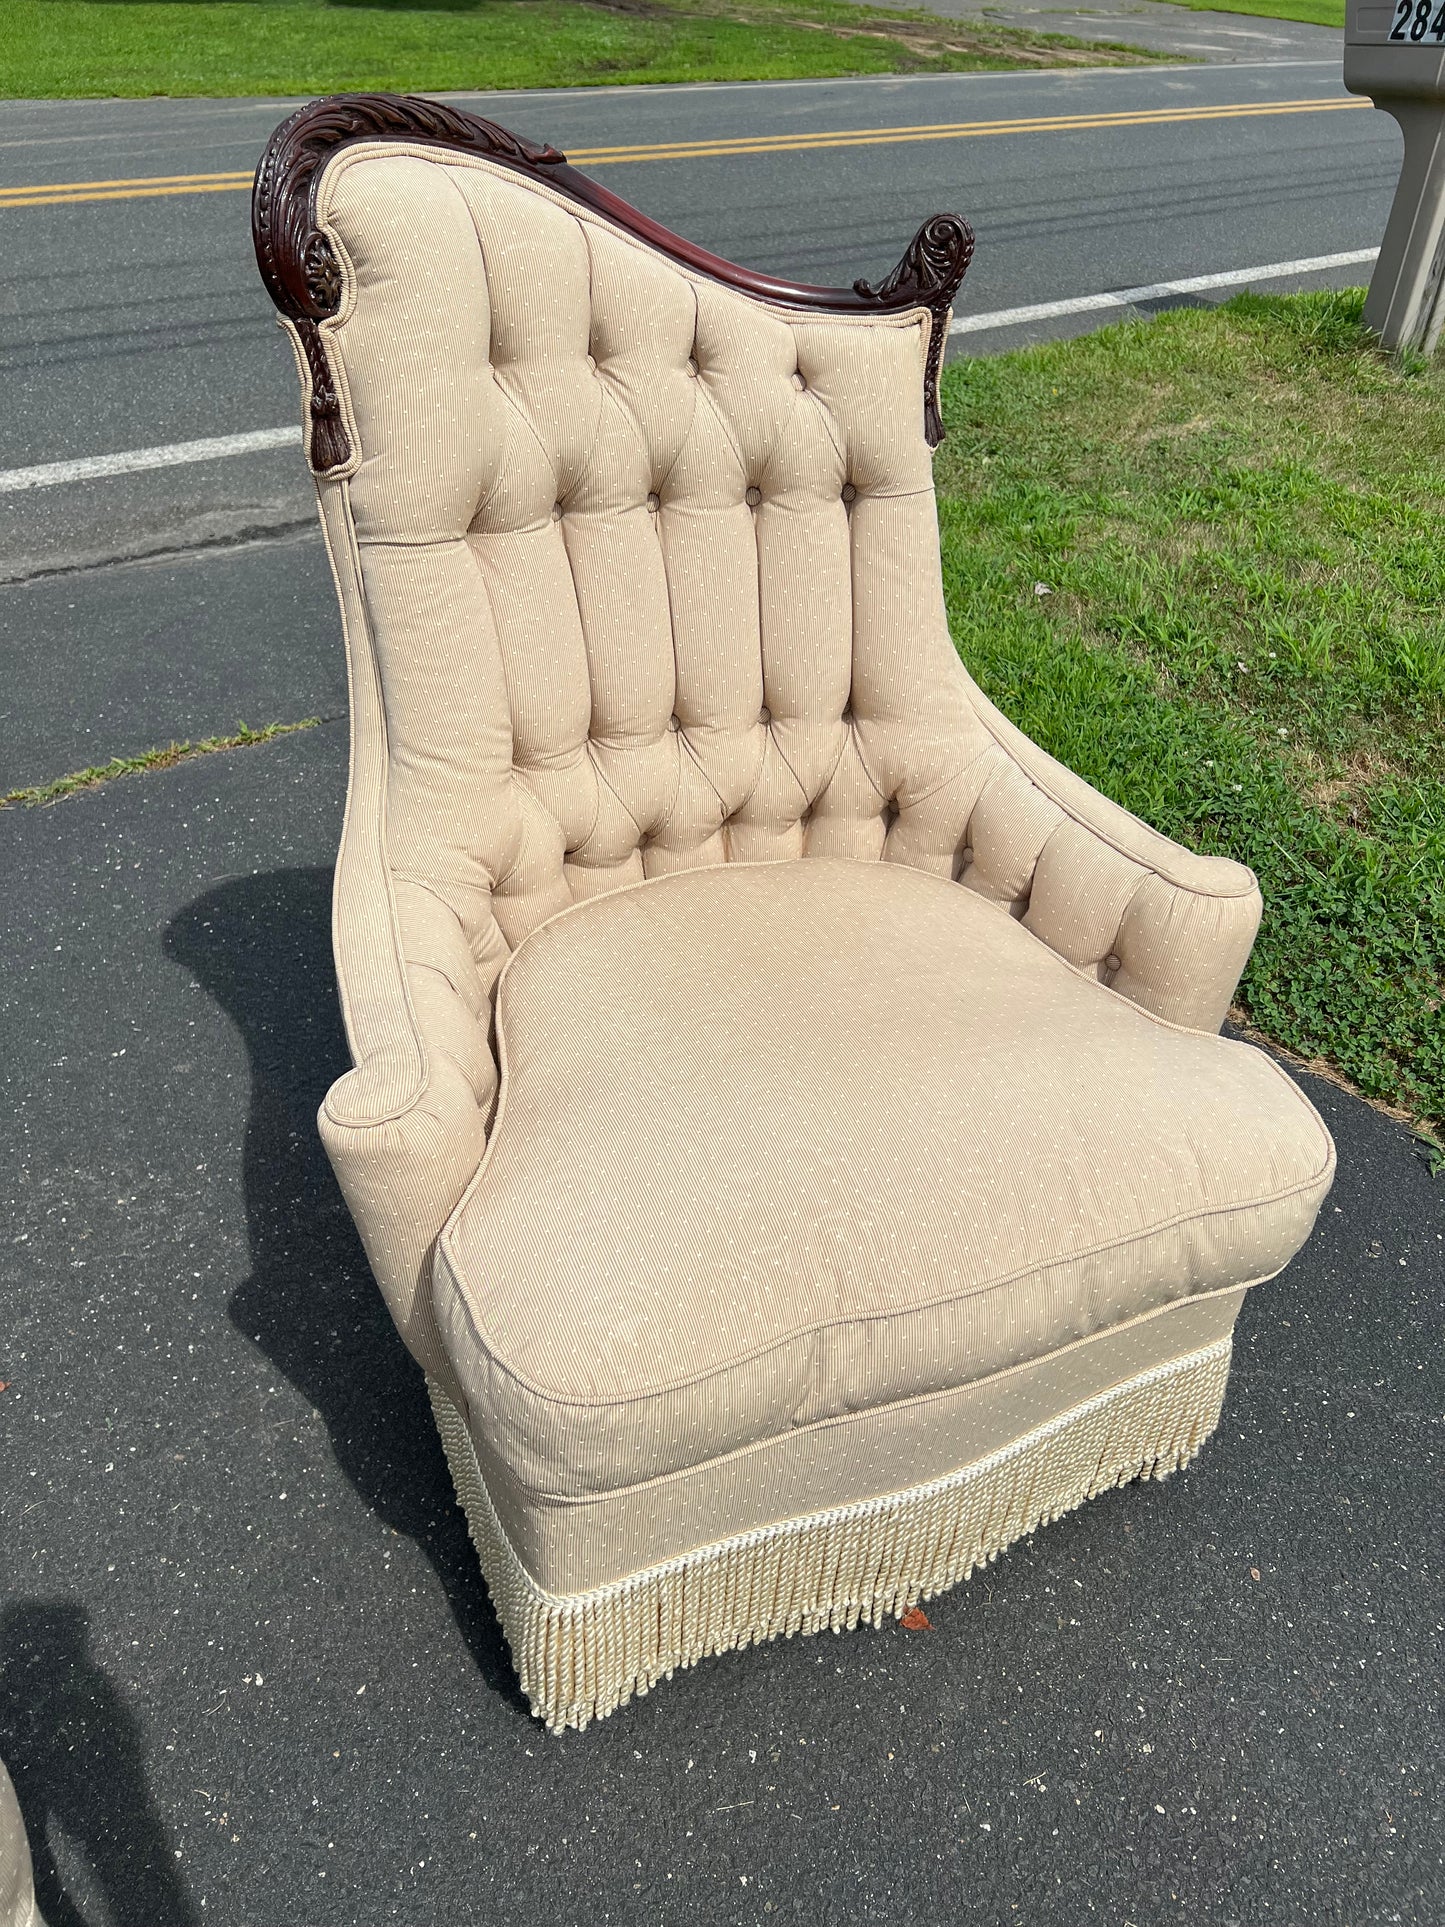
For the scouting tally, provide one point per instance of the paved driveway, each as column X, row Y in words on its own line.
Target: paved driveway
column 248, row 1673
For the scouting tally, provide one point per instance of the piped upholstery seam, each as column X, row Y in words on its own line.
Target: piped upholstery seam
column 833, row 1421
column 1073, row 812
column 415, row 1037
column 554, row 1396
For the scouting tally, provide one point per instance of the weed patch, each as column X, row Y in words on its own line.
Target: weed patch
column 167, row 758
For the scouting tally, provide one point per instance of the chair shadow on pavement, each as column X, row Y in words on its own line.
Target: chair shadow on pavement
column 261, row 946
column 77, row 1758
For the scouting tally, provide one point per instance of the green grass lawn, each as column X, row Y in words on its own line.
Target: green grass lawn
column 1239, row 515
column 67, row 48
column 1319, row 13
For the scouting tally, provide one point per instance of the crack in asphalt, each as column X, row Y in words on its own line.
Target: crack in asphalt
column 252, row 535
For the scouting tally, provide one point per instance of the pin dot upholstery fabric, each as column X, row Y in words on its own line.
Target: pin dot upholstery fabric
column 640, row 577
column 781, row 1143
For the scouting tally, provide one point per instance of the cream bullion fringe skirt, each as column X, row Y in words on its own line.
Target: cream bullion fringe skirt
column 580, row 1656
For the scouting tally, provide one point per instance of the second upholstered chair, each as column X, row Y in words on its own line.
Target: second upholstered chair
column 788, row 1122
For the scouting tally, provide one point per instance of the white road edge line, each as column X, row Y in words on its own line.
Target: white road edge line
column 173, row 454
column 890, row 82
column 169, row 455
column 973, row 324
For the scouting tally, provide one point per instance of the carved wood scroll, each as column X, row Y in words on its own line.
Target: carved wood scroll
column 303, row 276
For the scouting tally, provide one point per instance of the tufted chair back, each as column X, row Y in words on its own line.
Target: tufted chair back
column 651, row 567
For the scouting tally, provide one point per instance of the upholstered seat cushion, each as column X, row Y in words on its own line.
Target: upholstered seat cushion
column 783, row 1142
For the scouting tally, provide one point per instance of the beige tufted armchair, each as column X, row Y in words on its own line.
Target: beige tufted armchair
column 780, row 1238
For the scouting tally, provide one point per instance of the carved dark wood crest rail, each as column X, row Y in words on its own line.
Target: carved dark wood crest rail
column 304, row 280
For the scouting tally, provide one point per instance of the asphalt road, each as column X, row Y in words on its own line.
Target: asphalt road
column 248, row 1672
column 129, row 322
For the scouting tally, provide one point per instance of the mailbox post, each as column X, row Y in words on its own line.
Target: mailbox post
column 1395, row 53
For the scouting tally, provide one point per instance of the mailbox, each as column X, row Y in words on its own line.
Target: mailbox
column 1395, row 53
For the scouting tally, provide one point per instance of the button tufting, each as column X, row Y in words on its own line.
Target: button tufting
column 556, row 511
column 691, row 365
column 654, row 502
column 799, row 380
column 674, row 722
column 753, row 497
column 850, row 494
column 1111, row 962
column 591, row 361
column 965, row 856
column 765, row 715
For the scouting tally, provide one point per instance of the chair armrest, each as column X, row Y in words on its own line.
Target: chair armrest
column 1169, row 929
column 405, row 1131
column 402, row 1177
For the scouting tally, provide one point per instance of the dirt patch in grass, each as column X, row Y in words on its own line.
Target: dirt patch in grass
column 926, row 37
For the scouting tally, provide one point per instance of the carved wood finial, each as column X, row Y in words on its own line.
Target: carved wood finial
column 301, row 273
column 930, row 275
column 304, row 278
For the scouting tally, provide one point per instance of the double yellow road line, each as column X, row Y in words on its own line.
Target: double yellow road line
column 947, row 131
column 61, row 193
column 64, row 193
